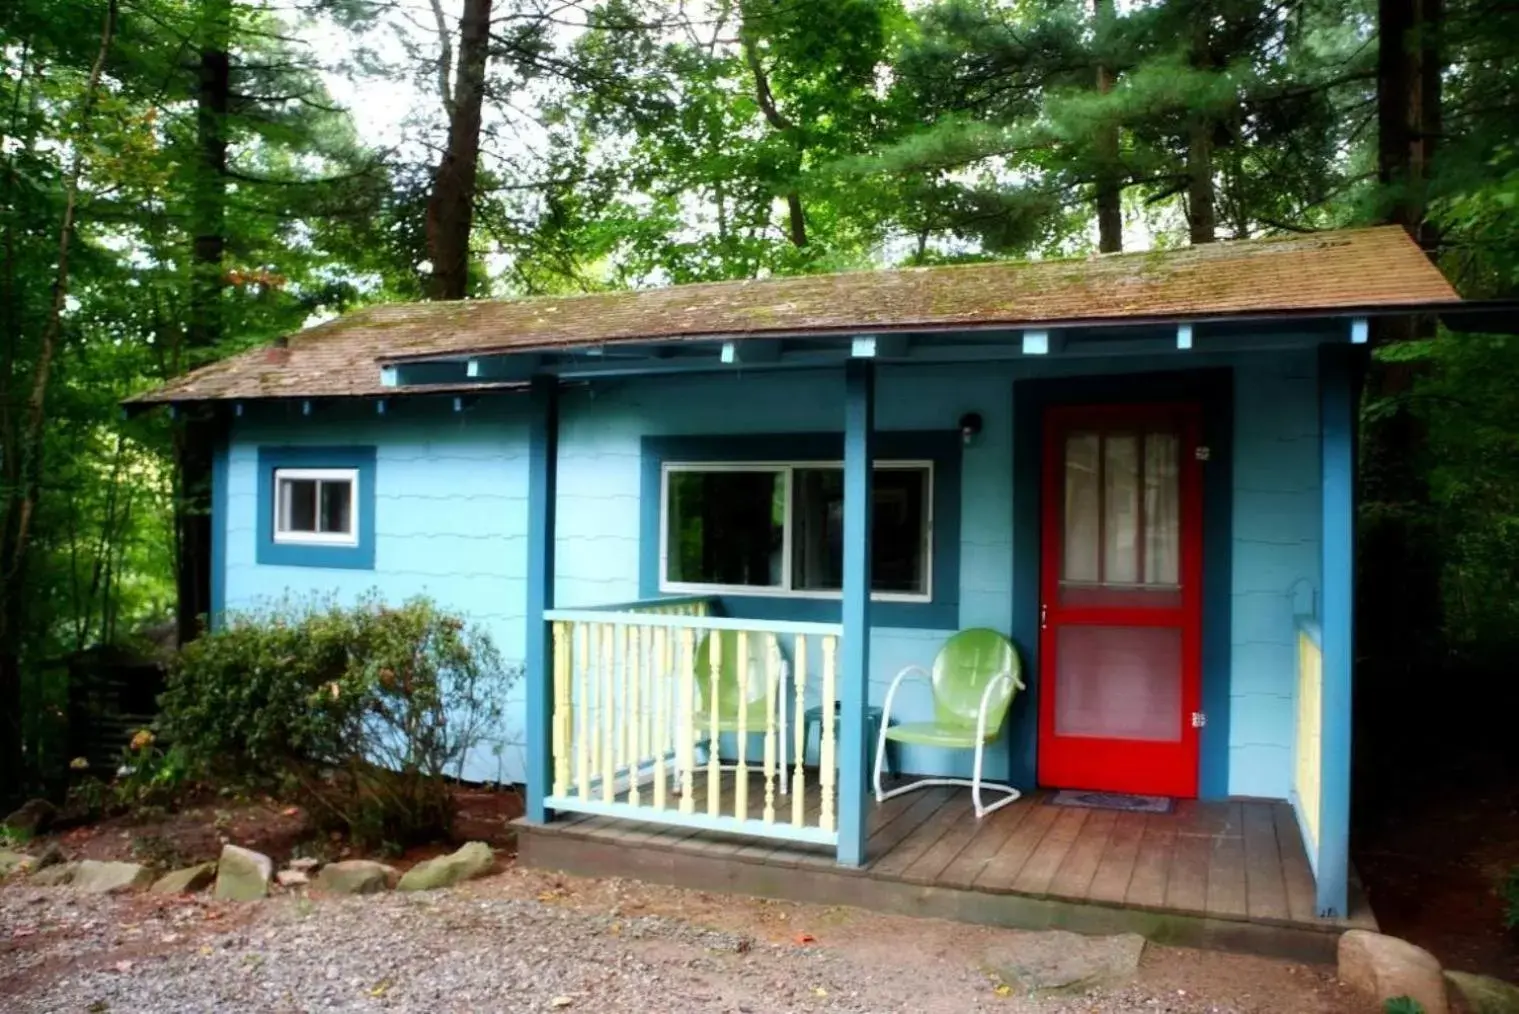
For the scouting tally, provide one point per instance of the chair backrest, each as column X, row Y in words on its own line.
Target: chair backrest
column 759, row 646
column 967, row 662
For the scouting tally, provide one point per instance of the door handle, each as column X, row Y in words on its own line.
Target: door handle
column 1044, row 612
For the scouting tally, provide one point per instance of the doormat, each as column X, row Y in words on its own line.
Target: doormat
column 1111, row 801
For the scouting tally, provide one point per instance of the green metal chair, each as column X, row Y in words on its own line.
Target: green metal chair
column 734, row 712
column 974, row 678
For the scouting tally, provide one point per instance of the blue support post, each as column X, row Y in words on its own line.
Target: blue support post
column 1337, row 456
column 220, row 472
column 854, row 684
column 542, row 470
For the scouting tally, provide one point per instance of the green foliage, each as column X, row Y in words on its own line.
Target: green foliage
column 362, row 711
column 1508, row 891
column 1402, row 1005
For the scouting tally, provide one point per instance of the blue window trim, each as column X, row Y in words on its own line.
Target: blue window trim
column 1214, row 390
column 943, row 448
column 284, row 554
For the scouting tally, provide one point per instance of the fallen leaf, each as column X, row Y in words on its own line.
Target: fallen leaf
column 1003, row 990
column 803, row 939
column 819, row 991
column 290, row 811
column 380, row 988
column 560, row 1001
column 207, row 950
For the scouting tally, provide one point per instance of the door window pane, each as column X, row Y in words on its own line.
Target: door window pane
column 1162, row 510
column 1120, row 509
column 1083, row 505
column 1118, row 682
column 1122, row 523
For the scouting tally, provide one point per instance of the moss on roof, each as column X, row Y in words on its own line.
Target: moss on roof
column 1331, row 272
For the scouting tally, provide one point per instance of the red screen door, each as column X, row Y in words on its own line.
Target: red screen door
column 1120, row 619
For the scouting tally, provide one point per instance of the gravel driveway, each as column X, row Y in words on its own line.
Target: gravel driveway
column 525, row 941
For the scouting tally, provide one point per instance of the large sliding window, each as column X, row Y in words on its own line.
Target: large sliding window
column 778, row 529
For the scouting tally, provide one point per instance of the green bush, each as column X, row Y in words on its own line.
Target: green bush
column 361, row 711
column 1509, row 892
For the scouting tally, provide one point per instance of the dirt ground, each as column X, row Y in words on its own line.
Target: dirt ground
column 529, row 940
column 1432, row 855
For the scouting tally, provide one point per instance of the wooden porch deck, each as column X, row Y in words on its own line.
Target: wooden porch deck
column 1228, row 875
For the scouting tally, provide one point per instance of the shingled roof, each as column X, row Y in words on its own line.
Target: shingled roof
column 1333, row 272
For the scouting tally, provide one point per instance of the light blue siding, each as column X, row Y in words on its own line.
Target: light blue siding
column 1276, row 552
column 452, row 512
column 451, row 522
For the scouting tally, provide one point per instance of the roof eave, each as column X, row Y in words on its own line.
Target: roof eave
column 1442, row 306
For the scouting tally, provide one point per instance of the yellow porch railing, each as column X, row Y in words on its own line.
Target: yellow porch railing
column 667, row 714
column 1308, row 749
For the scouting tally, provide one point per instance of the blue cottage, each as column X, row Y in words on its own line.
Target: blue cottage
column 721, row 523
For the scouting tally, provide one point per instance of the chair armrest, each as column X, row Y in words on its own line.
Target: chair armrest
column 986, row 698
column 910, row 670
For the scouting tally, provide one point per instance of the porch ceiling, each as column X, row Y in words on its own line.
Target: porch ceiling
column 1363, row 271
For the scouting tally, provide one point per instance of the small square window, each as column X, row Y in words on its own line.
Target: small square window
column 316, row 506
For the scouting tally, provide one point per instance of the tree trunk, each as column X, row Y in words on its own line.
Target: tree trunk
column 192, row 457
column 1109, row 174
column 780, row 122
column 451, row 208
column 1399, row 590
column 1202, row 215
column 1202, row 221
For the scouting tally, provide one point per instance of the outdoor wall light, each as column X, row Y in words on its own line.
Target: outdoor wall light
column 970, row 426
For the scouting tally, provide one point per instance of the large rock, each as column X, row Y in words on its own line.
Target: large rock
column 1484, row 995
column 243, row 874
column 53, row 876
column 51, row 856
column 11, row 861
column 357, row 876
column 472, row 860
column 31, row 818
column 1060, row 962
column 185, row 881
column 93, row 876
column 1383, row 968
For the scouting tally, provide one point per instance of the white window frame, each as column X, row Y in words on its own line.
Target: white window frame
column 787, row 471
column 348, row 475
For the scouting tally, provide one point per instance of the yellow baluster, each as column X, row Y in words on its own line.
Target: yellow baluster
column 714, row 761
column 827, row 759
column 632, row 659
column 687, row 720
column 799, row 731
column 741, row 777
column 772, row 690
column 659, row 671
column 648, row 694
column 608, row 718
column 563, row 711
column 582, row 715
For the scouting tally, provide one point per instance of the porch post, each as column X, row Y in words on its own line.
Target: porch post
column 854, row 689
column 542, row 471
column 1337, row 442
